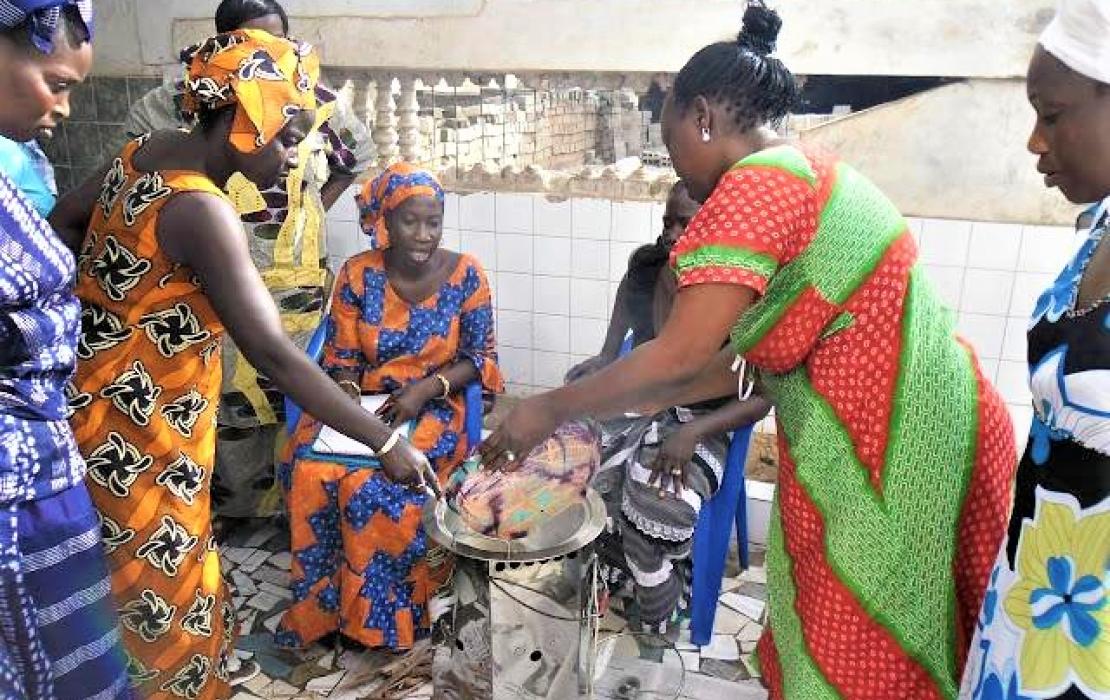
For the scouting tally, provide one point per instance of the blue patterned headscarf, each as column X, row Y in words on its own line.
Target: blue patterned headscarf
column 44, row 16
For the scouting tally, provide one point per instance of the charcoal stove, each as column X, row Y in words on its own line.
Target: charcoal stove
column 524, row 623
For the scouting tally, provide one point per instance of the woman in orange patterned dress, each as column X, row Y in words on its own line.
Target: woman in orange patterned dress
column 164, row 268
column 412, row 320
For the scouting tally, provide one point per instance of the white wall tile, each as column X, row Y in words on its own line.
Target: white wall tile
column 1046, row 248
column 1022, row 416
column 451, row 210
column 987, row 291
column 513, row 212
column 990, row 368
column 1014, row 342
column 516, row 364
column 619, row 255
column 632, row 222
column 1028, row 287
column 614, row 290
column 345, row 239
column 1013, row 382
column 514, row 291
column 514, row 328
column 945, row 242
column 591, row 218
column 587, row 335
column 345, row 208
column 452, row 239
column 476, row 212
column 983, row 332
column 552, row 256
column 481, row 245
column 590, row 259
column 915, row 226
column 333, row 230
column 948, row 282
column 994, row 246
column 589, row 299
column 552, row 295
column 658, row 209
column 550, row 333
column 551, row 218
column 514, row 253
column 549, row 368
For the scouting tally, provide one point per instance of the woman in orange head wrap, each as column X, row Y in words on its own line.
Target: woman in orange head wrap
column 164, row 269
column 414, row 321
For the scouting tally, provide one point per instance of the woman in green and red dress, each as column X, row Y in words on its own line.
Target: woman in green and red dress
column 896, row 453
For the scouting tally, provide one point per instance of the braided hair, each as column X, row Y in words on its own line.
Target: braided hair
column 741, row 75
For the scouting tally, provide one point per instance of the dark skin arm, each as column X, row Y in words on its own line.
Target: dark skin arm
column 334, row 188
column 203, row 232
column 619, row 324
column 71, row 215
column 406, row 404
column 673, row 461
column 690, row 340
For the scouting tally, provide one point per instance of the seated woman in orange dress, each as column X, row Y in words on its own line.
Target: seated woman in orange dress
column 414, row 321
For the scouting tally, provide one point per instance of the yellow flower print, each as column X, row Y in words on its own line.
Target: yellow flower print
column 1061, row 598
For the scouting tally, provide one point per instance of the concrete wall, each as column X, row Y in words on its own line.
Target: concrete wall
column 554, row 267
column 893, row 37
column 956, row 152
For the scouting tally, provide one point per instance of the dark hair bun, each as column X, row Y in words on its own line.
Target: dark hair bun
column 760, row 29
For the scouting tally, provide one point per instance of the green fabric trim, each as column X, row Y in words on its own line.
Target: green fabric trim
column 933, row 442
column 856, row 228
column 801, row 678
column 788, row 158
column 896, row 553
column 841, row 323
column 727, row 256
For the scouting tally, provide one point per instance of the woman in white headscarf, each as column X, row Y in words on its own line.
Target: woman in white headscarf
column 1044, row 631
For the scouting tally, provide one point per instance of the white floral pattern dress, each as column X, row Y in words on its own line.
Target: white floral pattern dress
column 1044, row 631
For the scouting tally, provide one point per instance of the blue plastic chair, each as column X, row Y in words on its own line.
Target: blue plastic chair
column 713, row 532
column 473, row 397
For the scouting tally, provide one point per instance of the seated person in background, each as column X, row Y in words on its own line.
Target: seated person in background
column 30, row 171
column 656, row 470
column 414, row 321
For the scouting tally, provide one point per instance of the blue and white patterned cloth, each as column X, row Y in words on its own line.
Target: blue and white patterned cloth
column 39, row 328
column 59, row 637
column 44, row 16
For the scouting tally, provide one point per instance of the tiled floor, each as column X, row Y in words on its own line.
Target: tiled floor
column 256, row 561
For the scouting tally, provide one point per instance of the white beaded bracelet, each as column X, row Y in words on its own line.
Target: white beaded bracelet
column 390, row 443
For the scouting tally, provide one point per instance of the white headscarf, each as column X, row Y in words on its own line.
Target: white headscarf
column 1079, row 36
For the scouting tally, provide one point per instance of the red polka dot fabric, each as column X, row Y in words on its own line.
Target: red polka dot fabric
column 832, row 333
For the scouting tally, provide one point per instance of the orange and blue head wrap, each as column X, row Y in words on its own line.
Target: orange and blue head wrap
column 386, row 192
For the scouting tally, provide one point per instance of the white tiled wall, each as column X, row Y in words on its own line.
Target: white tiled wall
column 991, row 274
column 555, row 266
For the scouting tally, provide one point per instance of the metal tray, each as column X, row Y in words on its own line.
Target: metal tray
column 568, row 531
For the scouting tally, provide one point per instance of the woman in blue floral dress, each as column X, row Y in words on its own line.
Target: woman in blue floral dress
column 1045, row 627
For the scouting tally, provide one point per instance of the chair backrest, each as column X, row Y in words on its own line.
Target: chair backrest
column 626, row 344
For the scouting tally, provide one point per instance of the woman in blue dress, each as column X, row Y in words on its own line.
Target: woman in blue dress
column 1044, row 631
column 58, row 633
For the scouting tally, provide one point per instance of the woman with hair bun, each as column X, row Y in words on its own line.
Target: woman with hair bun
column 896, row 453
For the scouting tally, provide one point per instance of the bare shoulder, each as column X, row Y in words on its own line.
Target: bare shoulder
column 197, row 219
